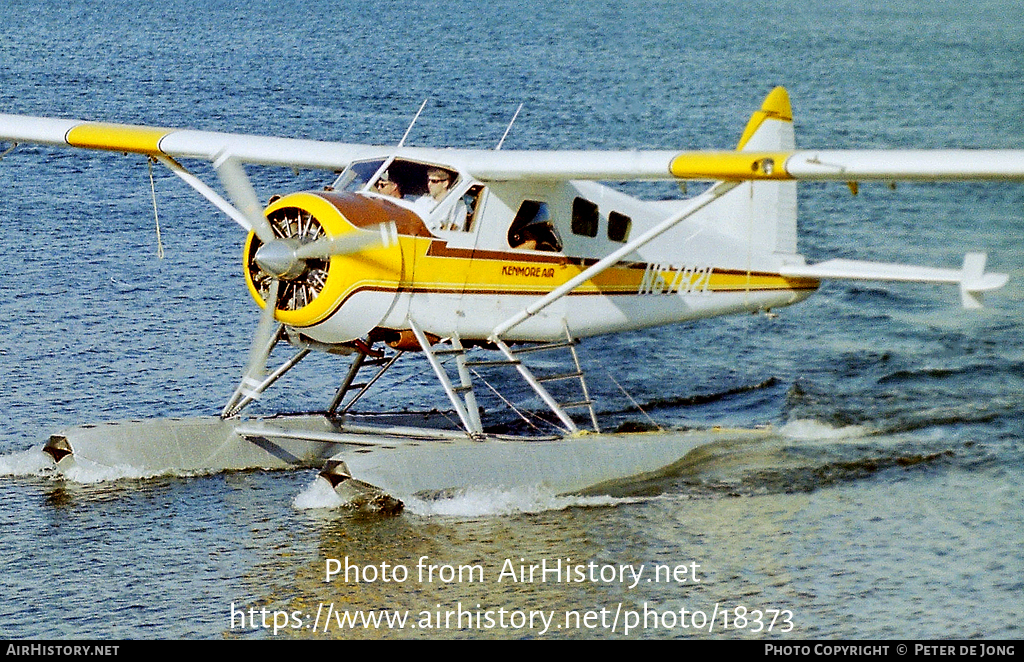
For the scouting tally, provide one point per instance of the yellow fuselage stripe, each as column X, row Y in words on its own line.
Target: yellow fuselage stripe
column 495, row 275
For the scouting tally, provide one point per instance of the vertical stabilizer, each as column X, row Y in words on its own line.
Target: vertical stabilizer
column 768, row 215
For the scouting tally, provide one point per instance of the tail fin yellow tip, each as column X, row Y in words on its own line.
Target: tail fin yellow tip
column 776, row 106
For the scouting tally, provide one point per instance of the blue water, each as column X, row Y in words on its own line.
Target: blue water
column 886, row 501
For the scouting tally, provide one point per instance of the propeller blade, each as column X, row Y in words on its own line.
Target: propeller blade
column 384, row 235
column 265, row 336
column 328, row 247
column 239, row 189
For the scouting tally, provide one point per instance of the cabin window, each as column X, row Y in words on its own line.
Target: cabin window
column 472, row 199
column 619, row 226
column 532, row 228
column 585, row 218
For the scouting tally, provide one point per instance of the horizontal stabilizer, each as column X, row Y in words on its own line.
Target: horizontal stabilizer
column 972, row 279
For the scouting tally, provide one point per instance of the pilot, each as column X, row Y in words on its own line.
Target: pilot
column 387, row 186
column 438, row 183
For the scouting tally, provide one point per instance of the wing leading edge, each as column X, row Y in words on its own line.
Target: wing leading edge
column 533, row 165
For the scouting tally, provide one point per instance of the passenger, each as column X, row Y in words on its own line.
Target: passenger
column 536, row 237
column 532, row 229
column 521, row 239
column 387, row 186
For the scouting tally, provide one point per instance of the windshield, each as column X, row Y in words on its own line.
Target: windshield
column 357, row 175
column 411, row 180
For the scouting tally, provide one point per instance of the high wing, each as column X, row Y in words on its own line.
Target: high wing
column 534, row 165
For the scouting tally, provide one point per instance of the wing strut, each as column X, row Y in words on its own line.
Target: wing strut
column 200, row 186
column 613, row 258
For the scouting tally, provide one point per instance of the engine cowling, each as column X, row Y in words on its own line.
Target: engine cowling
column 342, row 297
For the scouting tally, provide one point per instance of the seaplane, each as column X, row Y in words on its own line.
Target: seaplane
column 466, row 259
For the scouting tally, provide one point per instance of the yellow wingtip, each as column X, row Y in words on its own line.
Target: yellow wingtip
column 116, row 137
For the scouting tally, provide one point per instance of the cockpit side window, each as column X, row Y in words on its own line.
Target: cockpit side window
column 532, row 228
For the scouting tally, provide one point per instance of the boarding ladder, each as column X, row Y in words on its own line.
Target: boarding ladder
column 514, row 357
